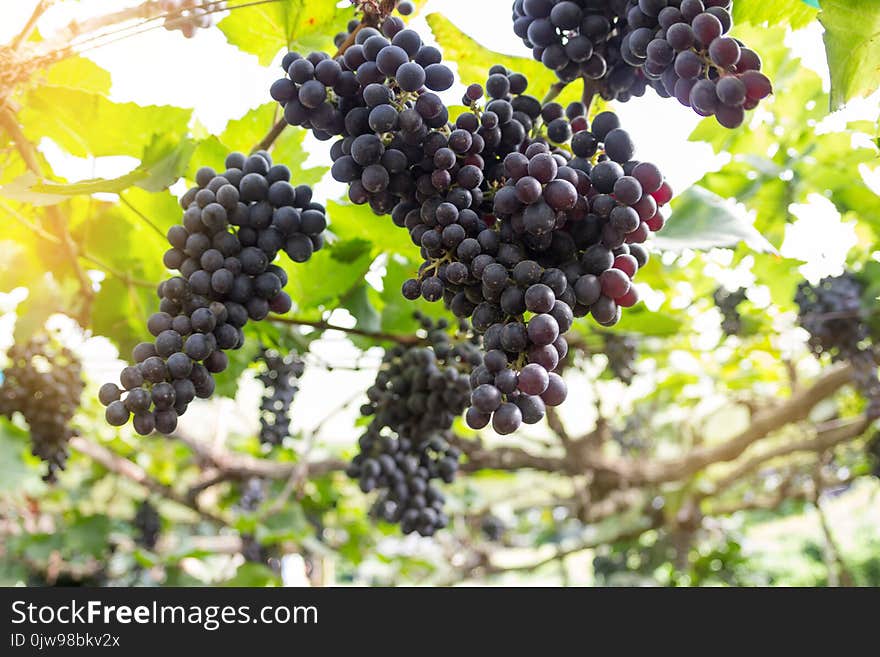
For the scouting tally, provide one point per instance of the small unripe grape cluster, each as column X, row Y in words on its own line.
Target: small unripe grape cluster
column 279, row 375
column 418, row 393
column 43, row 382
column 234, row 226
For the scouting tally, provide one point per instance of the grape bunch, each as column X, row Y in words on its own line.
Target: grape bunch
column 253, row 492
column 395, row 24
column 279, row 378
column 728, row 302
column 188, row 16
column 147, row 524
column 43, row 382
column 569, row 244
column 418, row 393
column 622, row 351
column 874, row 454
column 678, row 47
column 493, row 527
column 234, row 225
column 526, row 215
column 352, row 94
column 833, row 315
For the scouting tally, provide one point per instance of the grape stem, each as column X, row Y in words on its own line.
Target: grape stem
column 589, row 93
column 322, row 325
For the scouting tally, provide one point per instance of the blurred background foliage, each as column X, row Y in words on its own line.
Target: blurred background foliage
column 84, row 255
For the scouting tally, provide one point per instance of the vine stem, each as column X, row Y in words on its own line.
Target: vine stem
column 323, row 325
column 589, row 93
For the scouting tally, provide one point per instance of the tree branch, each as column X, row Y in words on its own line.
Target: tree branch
column 827, row 437
column 322, row 325
column 132, row 471
column 794, row 409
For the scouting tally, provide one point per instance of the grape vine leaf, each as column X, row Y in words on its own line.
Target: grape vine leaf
column 793, row 13
column 703, row 220
column 474, row 61
column 265, row 29
column 84, row 123
column 164, row 161
column 852, row 43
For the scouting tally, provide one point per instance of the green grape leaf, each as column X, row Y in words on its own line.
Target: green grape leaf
column 242, row 134
column 164, row 161
column 84, row 123
column 793, row 13
column 358, row 304
column 86, row 75
column 474, row 61
column 852, row 43
column 265, row 29
column 14, row 445
column 702, row 220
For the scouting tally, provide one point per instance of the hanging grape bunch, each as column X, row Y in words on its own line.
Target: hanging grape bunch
column 279, row 378
column 234, row 226
column 678, row 47
column 833, row 315
column 622, row 351
column 253, row 492
column 728, row 303
column 188, row 16
column 43, row 382
column 147, row 524
column 496, row 190
column 418, row 393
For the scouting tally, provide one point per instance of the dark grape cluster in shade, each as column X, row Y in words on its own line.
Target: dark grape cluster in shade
column 147, row 524
column 279, row 375
column 188, row 16
column 43, row 382
column 493, row 527
column 621, row 351
column 874, row 454
column 235, row 224
column 728, row 303
column 833, row 314
column 680, row 48
column 252, row 494
column 418, row 393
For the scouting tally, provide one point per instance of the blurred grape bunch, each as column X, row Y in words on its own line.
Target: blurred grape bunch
column 189, row 16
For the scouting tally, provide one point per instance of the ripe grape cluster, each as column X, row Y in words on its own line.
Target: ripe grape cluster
column 678, row 47
column 833, row 315
column 351, row 95
column 418, row 393
column 279, row 377
column 188, row 16
column 234, row 225
column 147, row 524
column 728, row 303
column 622, row 351
column 43, row 382
column 526, row 215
